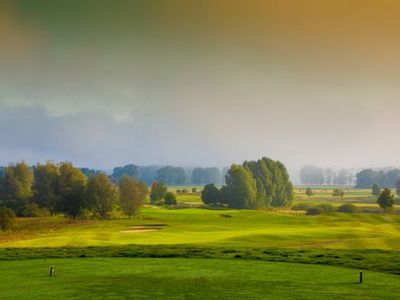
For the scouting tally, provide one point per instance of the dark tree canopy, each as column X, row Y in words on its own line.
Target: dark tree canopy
column 101, row 194
column 17, row 186
column 367, row 178
column 385, row 199
column 132, row 195
column 170, row 199
column 240, row 190
column 158, row 192
column 272, row 181
column 171, row 175
column 206, row 176
column 46, row 186
column 128, row 170
column 211, row 194
column 72, row 190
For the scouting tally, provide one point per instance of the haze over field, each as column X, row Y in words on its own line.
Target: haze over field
column 200, row 83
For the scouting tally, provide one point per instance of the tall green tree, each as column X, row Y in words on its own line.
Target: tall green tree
column 240, row 190
column 46, row 186
column 72, row 188
column 101, row 194
column 211, row 194
column 272, row 181
column 158, row 191
column 132, row 195
column 385, row 199
column 171, row 175
column 17, row 186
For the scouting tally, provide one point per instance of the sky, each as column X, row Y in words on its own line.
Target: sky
column 200, row 83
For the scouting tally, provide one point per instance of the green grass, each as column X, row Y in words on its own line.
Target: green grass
column 207, row 254
column 216, row 227
column 173, row 278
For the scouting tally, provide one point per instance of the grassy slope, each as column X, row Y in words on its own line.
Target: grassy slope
column 123, row 278
column 213, row 227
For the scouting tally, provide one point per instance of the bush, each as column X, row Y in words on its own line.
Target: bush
column 301, row 207
column 170, row 199
column 312, row 211
column 31, row 210
column 347, row 208
column 326, row 208
column 7, row 218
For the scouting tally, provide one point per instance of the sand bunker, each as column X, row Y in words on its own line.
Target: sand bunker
column 144, row 228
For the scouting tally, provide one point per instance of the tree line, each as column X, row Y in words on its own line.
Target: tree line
column 252, row 185
column 367, row 178
column 63, row 188
column 170, row 175
column 312, row 175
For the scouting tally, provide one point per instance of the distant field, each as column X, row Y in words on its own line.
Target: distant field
column 174, row 278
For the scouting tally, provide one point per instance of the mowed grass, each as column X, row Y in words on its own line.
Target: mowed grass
column 174, row 278
column 234, row 228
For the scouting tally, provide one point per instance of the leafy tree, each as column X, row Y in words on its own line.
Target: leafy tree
column 272, row 181
column 31, row 210
column 158, row 192
column 240, row 190
column 72, row 188
column 101, row 194
column 46, row 186
column 398, row 187
column 376, row 190
column 338, row 193
column 194, row 190
column 128, row 170
column 206, row 175
column 132, row 195
column 7, row 218
column 366, row 178
column 89, row 172
column 171, row 175
column 170, row 199
column 309, row 192
column 211, row 194
column 17, row 185
column 385, row 199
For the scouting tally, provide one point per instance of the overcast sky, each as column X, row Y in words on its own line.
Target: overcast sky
column 104, row 83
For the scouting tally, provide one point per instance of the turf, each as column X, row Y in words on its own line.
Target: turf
column 173, row 278
column 234, row 228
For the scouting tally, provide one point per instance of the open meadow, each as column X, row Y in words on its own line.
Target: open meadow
column 225, row 253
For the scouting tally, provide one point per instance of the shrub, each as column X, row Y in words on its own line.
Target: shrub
column 326, row 208
column 170, row 199
column 312, row 211
column 31, row 210
column 7, row 218
column 301, row 207
column 347, row 208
